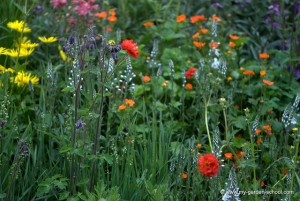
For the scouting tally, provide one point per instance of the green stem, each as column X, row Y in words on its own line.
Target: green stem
column 295, row 161
column 253, row 156
column 206, row 123
column 226, row 126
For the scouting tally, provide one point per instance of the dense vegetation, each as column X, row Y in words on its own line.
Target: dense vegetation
column 149, row 100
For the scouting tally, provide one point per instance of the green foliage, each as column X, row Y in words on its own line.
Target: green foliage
column 93, row 128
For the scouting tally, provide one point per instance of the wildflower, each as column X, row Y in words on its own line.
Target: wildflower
column 259, row 140
column 248, row 72
column 48, row 40
column 197, row 18
column 215, row 18
column 203, row 30
column 196, row 35
column 3, row 69
column 22, row 79
column 267, row 82
column 242, row 68
column 189, row 86
column 208, row 165
column 102, row 15
column 122, row 107
column 112, row 12
column 231, row 45
column 3, row 50
column 240, row 154
column 148, row 24
column 165, row 83
column 146, row 79
column 228, row 155
column 180, row 18
column 295, row 129
column 23, row 52
column 264, row 55
column 109, row 29
column 214, row 45
column 285, row 171
column 198, row 44
column 112, row 18
column 19, row 26
column 257, row 131
column 268, row 129
column 199, row 145
column 262, row 184
column 83, row 7
column 233, row 37
column 229, row 78
column 130, row 47
column 129, row 102
column 80, row 124
column 262, row 73
column 58, row 3
column 190, row 73
column 184, row 175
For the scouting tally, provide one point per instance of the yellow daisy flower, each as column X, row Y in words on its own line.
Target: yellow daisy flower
column 23, row 52
column 3, row 50
column 48, row 40
column 3, row 69
column 22, row 79
column 25, row 43
column 19, row 26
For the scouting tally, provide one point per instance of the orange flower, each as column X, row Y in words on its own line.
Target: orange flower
column 262, row 184
column 240, row 154
column 232, row 45
column 198, row 44
column 180, row 18
column 112, row 12
column 267, row 82
column 197, row 18
column 257, row 131
column 228, row 155
column 264, row 55
column 146, row 78
column 259, row 140
column 122, row 107
column 242, row 68
column 285, row 171
column 148, row 24
column 215, row 18
column 214, row 45
column 184, row 175
column 268, row 129
column 203, row 31
column 165, row 83
column 233, row 37
column 109, row 29
column 199, row 145
column 262, row 73
column 112, row 18
column 189, row 86
column 196, row 35
column 248, row 72
column 101, row 15
column 129, row 102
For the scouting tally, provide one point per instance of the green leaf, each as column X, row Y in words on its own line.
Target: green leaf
column 2, row 195
column 108, row 158
column 240, row 122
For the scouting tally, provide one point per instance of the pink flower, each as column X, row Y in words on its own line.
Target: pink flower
column 58, row 3
column 84, row 7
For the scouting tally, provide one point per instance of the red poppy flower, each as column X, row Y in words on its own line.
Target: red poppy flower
column 190, row 73
column 130, row 47
column 208, row 165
